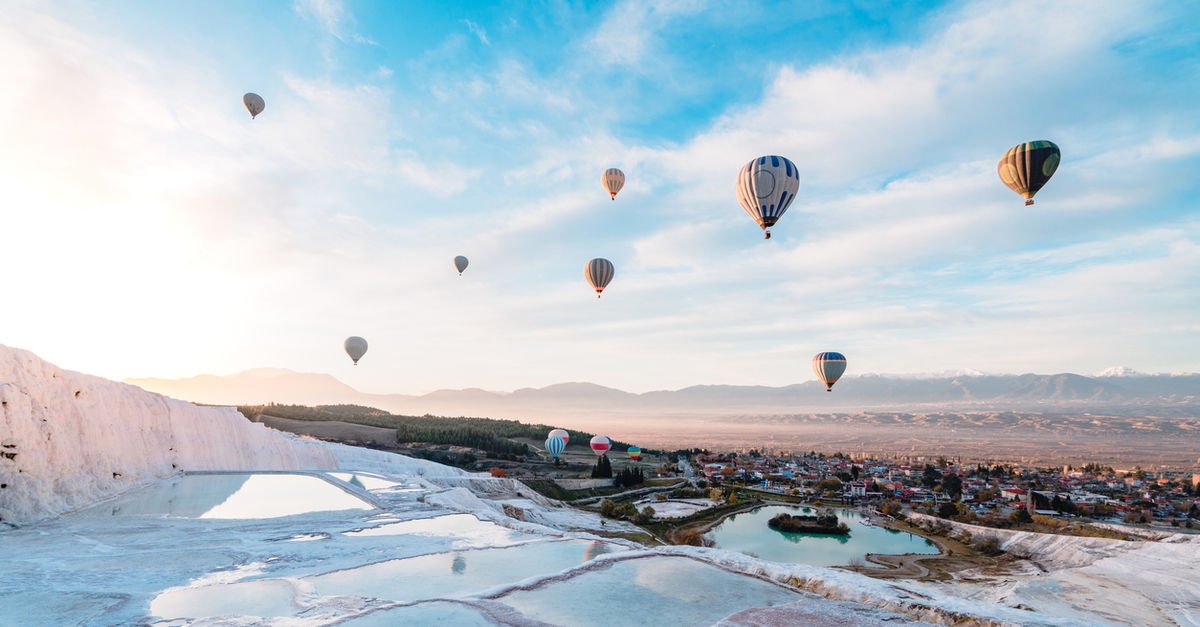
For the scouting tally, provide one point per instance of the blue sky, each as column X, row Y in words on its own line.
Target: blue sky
column 162, row 232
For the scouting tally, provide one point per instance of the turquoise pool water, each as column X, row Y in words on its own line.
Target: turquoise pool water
column 749, row 533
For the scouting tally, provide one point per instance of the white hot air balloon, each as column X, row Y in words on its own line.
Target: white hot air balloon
column 254, row 104
column 765, row 187
column 613, row 180
column 598, row 272
column 355, row 347
column 600, row 445
column 460, row 264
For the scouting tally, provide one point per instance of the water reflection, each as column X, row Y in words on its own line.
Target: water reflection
column 232, row 496
column 748, row 533
column 459, row 565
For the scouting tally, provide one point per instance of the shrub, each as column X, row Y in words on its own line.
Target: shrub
column 497, row 471
column 692, row 537
column 645, row 516
column 1021, row 517
column 988, row 545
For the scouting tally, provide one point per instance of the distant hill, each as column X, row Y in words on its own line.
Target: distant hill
column 1035, row 392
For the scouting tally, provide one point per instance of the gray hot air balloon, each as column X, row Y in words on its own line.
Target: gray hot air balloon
column 254, row 104
column 356, row 347
column 598, row 273
column 765, row 187
column 460, row 263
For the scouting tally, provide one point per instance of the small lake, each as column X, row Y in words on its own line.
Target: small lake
column 748, row 533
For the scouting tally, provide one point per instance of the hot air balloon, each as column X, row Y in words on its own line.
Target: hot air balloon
column 561, row 433
column 596, row 549
column 355, row 347
column 829, row 368
column 1025, row 168
column 460, row 263
column 254, row 104
column 555, row 446
column 765, row 187
column 600, row 445
column 613, row 180
column 634, row 452
column 598, row 273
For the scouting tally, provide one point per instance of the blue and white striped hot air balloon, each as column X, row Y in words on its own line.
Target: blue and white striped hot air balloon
column 555, row 446
column 829, row 368
column 765, row 187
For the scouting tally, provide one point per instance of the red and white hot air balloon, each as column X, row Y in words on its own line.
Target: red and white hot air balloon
column 561, row 433
column 600, row 445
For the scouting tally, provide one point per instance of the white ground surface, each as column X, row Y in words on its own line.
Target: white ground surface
column 1096, row 580
column 383, row 539
column 675, row 508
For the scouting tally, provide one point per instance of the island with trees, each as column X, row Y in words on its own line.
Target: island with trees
column 825, row 522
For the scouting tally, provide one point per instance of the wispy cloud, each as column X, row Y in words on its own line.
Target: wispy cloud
column 478, row 31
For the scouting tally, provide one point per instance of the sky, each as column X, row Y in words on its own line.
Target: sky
column 149, row 227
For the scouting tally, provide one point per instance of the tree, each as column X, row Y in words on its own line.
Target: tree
column 646, row 515
column 828, row 485
column 602, row 469
column 931, row 477
column 952, row 486
column 947, row 510
column 1021, row 517
column 855, row 472
column 608, row 509
column 498, row 471
column 891, row 507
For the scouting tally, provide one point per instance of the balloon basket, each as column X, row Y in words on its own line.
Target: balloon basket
column 1028, row 202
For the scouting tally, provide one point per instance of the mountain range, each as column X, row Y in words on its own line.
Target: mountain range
column 1119, row 391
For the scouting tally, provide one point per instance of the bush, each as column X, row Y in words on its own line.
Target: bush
column 608, row 509
column 497, row 471
column 692, row 537
column 891, row 507
column 645, row 516
column 1021, row 517
column 988, row 545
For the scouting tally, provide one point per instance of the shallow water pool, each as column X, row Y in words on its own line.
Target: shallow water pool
column 748, row 533
column 652, row 590
column 235, row 496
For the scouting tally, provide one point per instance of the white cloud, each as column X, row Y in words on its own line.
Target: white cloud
column 478, row 31
column 328, row 14
column 628, row 33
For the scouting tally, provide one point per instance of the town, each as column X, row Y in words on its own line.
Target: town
column 991, row 495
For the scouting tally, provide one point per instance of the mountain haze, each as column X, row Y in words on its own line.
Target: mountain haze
column 868, row 392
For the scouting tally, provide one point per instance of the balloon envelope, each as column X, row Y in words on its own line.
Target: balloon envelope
column 634, row 452
column 460, row 264
column 600, row 445
column 254, row 104
column 555, row 446
column 613, row 180
column 1026, row 167
column 561, row 433
column 355, row 347
column 598, row 272
column 766, row 187
column 829, row 367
